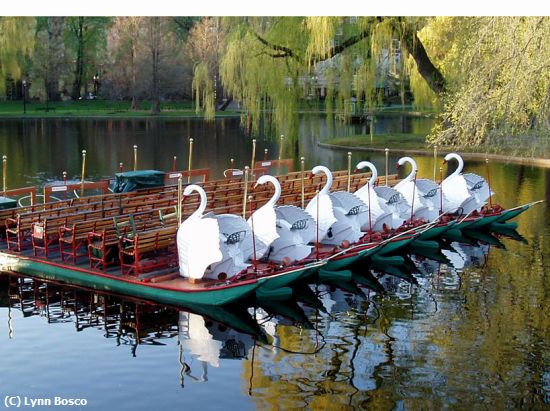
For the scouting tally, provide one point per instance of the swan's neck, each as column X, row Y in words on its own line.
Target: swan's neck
column 374, row 175
column 409, row 160
column 202, row 206
column 460, row 165
column 273, row 200
column 328, row 184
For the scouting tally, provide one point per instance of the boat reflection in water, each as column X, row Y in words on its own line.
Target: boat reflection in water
column 328, row 322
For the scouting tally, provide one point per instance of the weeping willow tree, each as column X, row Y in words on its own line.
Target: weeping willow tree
column 16, row 42
column 498, row 71
column 203, row 88
column 487, row 76
column 271, row 64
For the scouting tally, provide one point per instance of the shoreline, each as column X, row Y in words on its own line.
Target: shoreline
column 532, row 161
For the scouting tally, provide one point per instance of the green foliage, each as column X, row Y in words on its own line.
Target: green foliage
column 499, row 76
column 203, row 87
column 16, row 42
column 271, row 64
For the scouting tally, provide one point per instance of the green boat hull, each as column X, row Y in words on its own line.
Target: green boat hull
column 436, row 231
column 343, row 261
column 288, row 278
column 81, row 277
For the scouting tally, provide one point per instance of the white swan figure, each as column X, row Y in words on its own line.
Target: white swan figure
column 463, row 192
column 212, row 246
column 337, row 214
column 281, row 232
column 456, row 195
column 414, row 193
column 264, row 219
column 380, row 214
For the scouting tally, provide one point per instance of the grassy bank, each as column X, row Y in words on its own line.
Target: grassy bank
column 537, row 147
column 99, row 108
column 406, row 141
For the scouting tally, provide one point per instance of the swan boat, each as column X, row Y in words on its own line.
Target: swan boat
column 260, row 278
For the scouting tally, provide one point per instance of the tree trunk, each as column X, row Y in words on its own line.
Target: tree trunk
column 79, row 68
column 155, row 56
column 135, row 104
column 426, row 68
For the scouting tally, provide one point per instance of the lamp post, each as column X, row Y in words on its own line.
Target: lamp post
column 24, row 96
column 96, row 83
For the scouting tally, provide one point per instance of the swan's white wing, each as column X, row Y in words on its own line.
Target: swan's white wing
column 455, row 192
column 408, row 189
column 478, row 186
column 351, row 204
column 199, row 246
column 289, row 244
column 326, row 212
column 237, row 236
column 301, row 223
column 429, row 191
column 394, row 202
column 265, row 224
column 375, row 202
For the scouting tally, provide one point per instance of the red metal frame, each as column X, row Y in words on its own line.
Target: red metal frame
column 67, row 237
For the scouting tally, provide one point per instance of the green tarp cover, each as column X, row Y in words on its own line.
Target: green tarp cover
column 136, row 180
column 6, row 203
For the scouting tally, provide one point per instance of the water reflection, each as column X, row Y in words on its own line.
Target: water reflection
column 336, row 344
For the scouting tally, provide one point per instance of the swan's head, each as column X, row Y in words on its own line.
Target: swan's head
column 361, row 165
column 404, row 160
column 262, row 180
column 450, row 156
column 266, row 178
column 319, row 169
column 193, row 187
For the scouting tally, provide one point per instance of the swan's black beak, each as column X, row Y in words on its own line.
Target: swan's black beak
column 398, row 166
column 356, row 170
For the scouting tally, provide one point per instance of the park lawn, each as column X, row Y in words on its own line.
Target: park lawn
column 100, row 108
column 406, row 141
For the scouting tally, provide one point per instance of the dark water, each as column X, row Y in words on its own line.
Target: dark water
column 473, row 334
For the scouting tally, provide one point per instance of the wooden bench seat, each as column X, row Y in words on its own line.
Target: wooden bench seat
column 148, row 250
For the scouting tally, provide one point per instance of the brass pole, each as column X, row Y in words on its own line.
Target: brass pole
column 175, row 164
column 435, row 159
column 135, row 157
column 190, row 160
column 245, row 196
column 281, row 143
column 252, row 162
column 83, row 172
column 121, row 166
column 180, row 184
column 349, row 171
column 302, row 176
column 4, row 177
column 65, row 177
column 232, row 164
column 265, row 154
column 387, row 150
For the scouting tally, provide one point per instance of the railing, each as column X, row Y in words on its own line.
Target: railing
column 102, row 185
column 172, row 177
column 275, row 166
column 23, row 191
